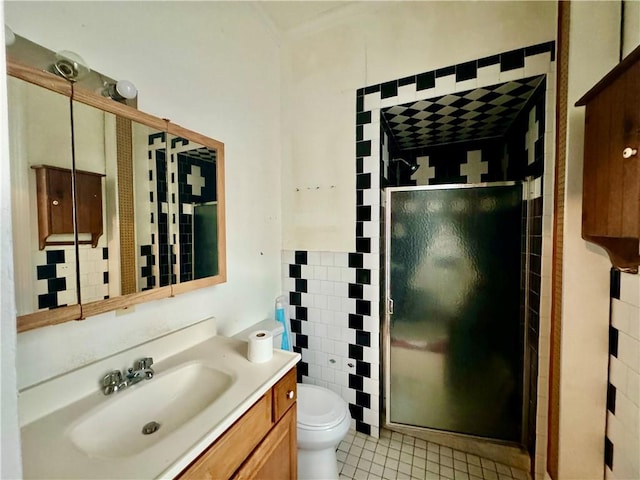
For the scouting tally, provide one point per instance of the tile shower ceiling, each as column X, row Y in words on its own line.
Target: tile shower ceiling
column 481, row 113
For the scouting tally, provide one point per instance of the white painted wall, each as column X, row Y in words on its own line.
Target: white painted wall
column 10, row 465
column 585, row 299
column 323, row 66
column 631, row 32
column 212, row 67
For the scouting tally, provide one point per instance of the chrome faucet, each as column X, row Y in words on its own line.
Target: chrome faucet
column 115, row 381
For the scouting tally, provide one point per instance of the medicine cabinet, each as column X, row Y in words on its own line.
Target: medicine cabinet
column 126, row 208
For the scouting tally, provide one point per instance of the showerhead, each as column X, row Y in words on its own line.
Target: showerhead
column 413, row 167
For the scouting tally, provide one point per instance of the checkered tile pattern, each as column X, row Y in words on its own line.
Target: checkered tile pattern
column 484, row 112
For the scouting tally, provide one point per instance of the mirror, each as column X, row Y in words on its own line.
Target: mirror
column 40, row 136
column 194, row 208
column 149, row 210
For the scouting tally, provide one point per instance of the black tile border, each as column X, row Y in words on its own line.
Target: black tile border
column 507, row 61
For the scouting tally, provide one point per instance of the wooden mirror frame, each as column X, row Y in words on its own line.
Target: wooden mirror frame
column 81, row 311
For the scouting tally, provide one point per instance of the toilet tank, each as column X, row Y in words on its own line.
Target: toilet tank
column 275, row 328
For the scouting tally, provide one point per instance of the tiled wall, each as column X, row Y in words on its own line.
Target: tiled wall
column 622, row 441
column 331, row 296
column 56, row 275
column 363, row 296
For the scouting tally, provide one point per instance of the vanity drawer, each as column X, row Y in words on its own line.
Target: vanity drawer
column 224, row 457
column 284, row 394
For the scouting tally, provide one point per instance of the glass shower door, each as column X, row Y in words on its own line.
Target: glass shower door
column 455, row 342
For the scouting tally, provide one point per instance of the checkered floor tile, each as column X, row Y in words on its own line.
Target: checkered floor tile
column 395, row 456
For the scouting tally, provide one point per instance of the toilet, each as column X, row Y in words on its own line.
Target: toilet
column 323, row 419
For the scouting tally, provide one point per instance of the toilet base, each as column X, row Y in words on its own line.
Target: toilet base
column 317, row 464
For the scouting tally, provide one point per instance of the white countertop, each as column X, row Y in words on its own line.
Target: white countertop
column 51, row 410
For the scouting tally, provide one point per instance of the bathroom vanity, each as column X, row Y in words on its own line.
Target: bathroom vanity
column 219, row 415
column 261, row 444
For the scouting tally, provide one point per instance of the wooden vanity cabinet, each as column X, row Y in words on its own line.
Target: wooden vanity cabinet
column 55, row 204
column 259, row 445
column 611, row 178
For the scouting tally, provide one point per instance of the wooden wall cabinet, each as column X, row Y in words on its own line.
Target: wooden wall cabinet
column 55, row 204
column 611, row 181
column 262, row 444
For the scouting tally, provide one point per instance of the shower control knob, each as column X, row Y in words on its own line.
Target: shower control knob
column 629, row 152
column 290, row 394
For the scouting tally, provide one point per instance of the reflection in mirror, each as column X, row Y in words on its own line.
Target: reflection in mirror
column 151, row 209
column 43, row 240
column 94, row 144
column 192, row 174
column 133, row 254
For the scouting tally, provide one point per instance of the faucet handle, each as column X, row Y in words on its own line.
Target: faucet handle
column 112, row 382
column 143, row 363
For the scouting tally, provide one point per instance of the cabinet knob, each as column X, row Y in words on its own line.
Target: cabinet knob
column 290, row 394
column 56, row 202
column 629, row 152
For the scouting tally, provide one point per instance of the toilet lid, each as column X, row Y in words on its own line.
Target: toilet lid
column 319, row 407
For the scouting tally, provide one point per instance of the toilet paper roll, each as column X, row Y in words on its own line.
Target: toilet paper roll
column 260, row 346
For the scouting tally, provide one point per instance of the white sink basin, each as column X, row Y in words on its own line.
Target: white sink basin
column 172, row 398
column 202, row 385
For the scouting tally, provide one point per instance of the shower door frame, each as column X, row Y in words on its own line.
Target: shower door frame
column 388, row 307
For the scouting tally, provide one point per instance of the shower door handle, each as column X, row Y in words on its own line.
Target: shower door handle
column 390, row 308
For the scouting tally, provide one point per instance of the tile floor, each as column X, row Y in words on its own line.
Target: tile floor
column 395, row 456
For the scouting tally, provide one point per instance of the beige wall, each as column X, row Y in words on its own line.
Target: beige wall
column 324, row 66
column 585, row 312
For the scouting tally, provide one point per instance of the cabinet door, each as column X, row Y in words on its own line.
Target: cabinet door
column 89, row 192
column 59, row 199
column 611, row 183
column 276, row 457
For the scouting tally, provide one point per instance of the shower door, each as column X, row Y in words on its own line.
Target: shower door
column 453, row 329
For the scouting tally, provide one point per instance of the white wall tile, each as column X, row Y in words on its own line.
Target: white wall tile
column 488, row 75
column 313, row 258
column 514, row 74
column 334, row 274
column 326, row 287
column 425, row 94
column 537, row 64
column 348, row 305
column 327, row 345
column 630, row 289
column 306, row 271
column 340, row 348
column 334, row 333
column 314, row 286
column 341, row 259
column 333, row 304
column 306, row 300
column 372, row 101
column 466, row 85
column 308, row 328
column 628, row 414
column 445, row 85
column 342, row 289
column 629, row 351
column 320, row 330
column 348, row 275
column 320, row 273
column 314, row 315
column 633, row 387
column 406, row 93
column 341, row 319
column 618, row 374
